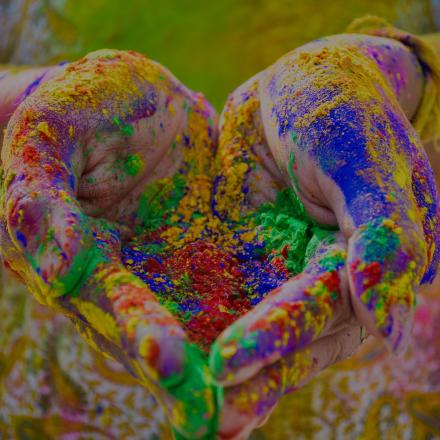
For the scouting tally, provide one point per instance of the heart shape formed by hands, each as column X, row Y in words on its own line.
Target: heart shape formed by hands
column 125, row 209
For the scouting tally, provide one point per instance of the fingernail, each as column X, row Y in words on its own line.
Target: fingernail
column 216, row 364
column 171, row 361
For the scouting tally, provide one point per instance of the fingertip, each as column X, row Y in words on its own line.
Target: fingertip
column 383, row 274
column 234, row 362
column 398, row 330
column 173, row 361
column 54, row 237
column 26, row 218
column 231, row 353
column 216, row 361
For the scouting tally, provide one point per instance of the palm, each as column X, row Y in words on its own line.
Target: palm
column 122, row 159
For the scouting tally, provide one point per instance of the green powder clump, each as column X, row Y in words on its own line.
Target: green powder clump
column 133, row 164
column 289, row 232
column 125, row 129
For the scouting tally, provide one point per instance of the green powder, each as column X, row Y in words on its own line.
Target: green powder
column 289, row 232
column 125, row 129
column 133, row 164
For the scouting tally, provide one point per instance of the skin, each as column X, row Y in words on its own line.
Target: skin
column 313, row 341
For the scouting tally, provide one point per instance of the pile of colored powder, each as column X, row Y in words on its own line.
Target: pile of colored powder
column 207, row 283
column 206, row 253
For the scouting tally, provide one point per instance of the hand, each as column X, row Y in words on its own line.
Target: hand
column 83, row 146
column 340, row 138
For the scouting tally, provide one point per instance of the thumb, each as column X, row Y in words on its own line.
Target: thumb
column 392, row 248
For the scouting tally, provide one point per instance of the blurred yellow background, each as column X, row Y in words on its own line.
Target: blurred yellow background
column 211, row 46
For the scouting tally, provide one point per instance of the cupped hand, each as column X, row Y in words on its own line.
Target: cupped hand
column 342, row 141
column 77, row 156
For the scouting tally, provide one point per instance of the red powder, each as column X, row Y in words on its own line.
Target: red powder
column 213, row 278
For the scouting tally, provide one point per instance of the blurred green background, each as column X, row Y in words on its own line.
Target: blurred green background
column 211, row 46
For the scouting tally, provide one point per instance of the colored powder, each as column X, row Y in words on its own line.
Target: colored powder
column 133, row 164
column 125, row 129
column 207, row 287
column 202, row 250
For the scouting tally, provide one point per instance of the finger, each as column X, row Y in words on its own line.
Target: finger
column 245, row 409
column 389, row 257
column 129, row 324
column 193, row 404
column 240, row 426
column 190, row 400
column 250, row 404
column 288, row 319
column 43, row 217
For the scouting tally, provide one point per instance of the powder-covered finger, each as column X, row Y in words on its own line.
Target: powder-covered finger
column 289, row 319
column 43, row 216
column 384, row 273
column 197, row 400
column 389, row 257
column 175, row 373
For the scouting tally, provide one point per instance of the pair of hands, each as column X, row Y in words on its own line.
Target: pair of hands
column 66, row 215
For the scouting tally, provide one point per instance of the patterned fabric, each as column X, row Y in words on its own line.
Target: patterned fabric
column 54, row 386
